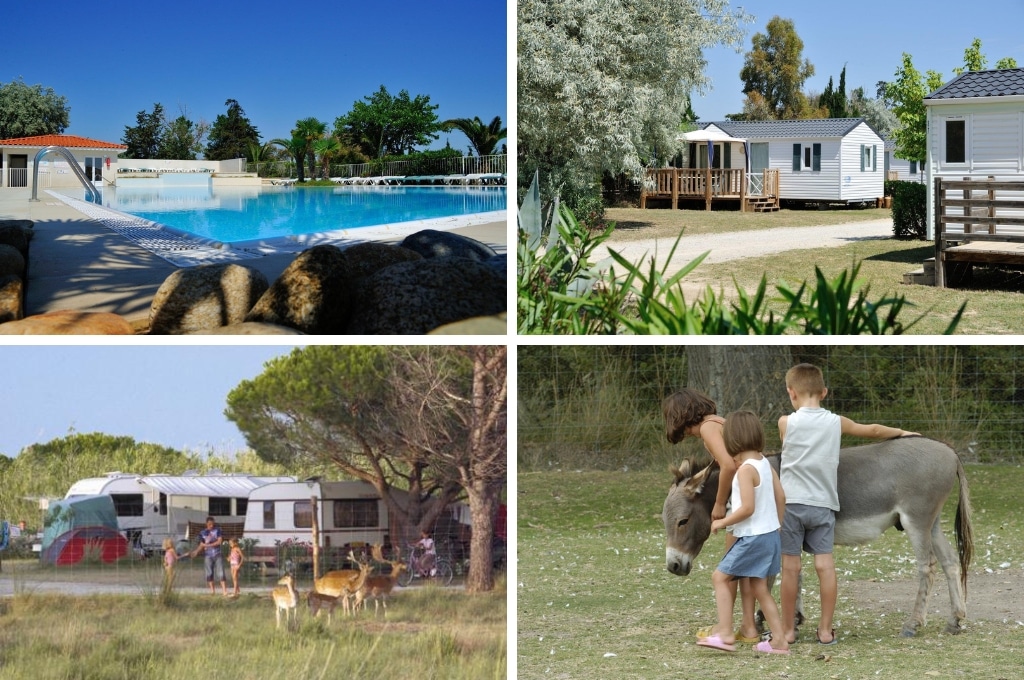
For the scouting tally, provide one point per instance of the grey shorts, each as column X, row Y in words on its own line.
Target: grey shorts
column 214, row 567
column 809, row 528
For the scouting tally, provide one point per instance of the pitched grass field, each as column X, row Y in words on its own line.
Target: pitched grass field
column 595, row 599
column 429, row 632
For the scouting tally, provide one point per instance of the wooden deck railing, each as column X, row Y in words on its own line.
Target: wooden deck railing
column 708, row 184
column 979, row 226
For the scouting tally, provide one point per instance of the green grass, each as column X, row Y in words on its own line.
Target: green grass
column 633, row 223
column 592, row 583
column 428, row 633
column 994, row 306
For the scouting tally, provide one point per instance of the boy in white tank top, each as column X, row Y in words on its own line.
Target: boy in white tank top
column 758, row 504
column 810, row 463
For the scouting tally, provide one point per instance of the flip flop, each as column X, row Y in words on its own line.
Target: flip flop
column 766, row 648
column 740, row 637
column 830, row 642
column 715, row 642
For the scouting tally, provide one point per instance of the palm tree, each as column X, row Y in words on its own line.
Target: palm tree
column 483, row 138
column 258, row 153
column 296, row 148
column 312, row 130
column 326, row 148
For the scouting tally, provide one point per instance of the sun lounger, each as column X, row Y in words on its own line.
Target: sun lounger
column 455, row 179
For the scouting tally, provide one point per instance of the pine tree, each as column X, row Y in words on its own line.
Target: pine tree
column 231, row 134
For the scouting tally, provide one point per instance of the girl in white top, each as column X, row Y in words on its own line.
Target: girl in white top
column 758, row 504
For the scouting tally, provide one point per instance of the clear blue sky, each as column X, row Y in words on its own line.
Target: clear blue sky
column 281, row 60
column 170, row 395
column 869, row 36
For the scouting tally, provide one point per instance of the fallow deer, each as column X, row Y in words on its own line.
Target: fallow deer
column 286, row 598
column 378, row 588
column 343, row 583
column 318, row 601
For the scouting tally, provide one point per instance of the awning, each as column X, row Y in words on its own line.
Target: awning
column 226, row 486
column 709, row 135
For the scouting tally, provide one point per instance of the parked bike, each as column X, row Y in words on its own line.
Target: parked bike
column 440, row 571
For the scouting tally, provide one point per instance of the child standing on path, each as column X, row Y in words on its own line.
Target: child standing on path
column 809, row 472
column 235, row 559
column 691, row 412
column 758, row 504
column 170, row 560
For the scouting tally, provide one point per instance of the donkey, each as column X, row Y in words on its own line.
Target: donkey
column 899, row 482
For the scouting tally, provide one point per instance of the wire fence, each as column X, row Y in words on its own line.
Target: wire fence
column 600, row 406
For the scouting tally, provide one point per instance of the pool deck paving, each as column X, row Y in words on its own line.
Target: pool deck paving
column 77, row 263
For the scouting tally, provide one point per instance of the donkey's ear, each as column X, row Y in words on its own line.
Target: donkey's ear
column 683, row 472
column 696, row 483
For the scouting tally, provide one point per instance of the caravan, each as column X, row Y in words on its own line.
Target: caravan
column 151, row 508
column 348, row 513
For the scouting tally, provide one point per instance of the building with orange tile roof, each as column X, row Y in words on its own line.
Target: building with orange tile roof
column 96, row 157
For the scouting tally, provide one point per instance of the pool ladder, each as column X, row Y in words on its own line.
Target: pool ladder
column 93, row 192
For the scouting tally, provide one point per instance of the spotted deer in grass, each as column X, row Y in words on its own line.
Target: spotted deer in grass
column 344, row 583
column 378, row 588
column 285, row 598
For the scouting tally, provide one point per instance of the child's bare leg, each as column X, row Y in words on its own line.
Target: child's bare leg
column 787, row 595
column 759, row 589
column 725, row 600
column 748, row 625
column 826, row 567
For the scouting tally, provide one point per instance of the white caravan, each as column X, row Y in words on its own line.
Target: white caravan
column 151, row 508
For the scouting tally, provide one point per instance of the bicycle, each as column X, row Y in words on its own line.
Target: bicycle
column 440, row 572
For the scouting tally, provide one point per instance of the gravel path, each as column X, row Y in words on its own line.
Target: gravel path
column 741, row 244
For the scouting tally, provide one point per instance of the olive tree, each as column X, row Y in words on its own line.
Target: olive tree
column 603, row 84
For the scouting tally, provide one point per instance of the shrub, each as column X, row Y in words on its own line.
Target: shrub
column 909, row 208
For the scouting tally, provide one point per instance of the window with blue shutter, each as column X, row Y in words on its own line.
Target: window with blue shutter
column 816, row 157
column 796, row 158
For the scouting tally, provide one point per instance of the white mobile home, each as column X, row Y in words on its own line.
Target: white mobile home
column 98, row 160
column 976, row 130
column 900, row 168
column 347, row 513
column 833, row 160
column 151, row 508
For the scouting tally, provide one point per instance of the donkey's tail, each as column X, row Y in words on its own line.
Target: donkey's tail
column 964, row 531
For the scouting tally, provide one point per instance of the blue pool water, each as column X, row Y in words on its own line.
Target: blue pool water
column 239, row 214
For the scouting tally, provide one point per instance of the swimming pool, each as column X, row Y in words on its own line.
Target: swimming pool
column 242, row 216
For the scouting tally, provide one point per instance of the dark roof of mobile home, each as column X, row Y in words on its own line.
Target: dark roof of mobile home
column 813, row 127
column 1006, row 82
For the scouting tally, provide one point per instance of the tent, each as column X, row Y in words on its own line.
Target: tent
column 82, row 526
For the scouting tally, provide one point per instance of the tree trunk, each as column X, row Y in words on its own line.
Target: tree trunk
column 751, row 377
column 483, row 505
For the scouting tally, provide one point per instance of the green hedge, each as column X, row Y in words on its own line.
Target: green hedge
column 909, row 208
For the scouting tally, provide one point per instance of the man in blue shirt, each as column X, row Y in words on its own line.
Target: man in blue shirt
column 210, row 540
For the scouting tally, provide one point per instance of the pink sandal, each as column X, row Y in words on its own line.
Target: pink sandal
column 715, row 642
column 766, row 648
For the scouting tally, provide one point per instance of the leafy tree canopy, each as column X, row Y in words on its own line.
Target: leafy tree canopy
column 154, row 136
column 383, row 124
column 145, row 138
column 775, row 70
column 28, row 110
column 483, row 137
column 231, row 134
column 907, row 94
column 604, row 85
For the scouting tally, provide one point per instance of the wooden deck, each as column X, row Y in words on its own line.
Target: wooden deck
column 757, row 192
column 989, row 229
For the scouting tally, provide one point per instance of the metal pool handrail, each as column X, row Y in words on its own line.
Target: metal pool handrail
column 93, row 192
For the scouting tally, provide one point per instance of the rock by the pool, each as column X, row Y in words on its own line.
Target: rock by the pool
column 417, row 297
column 313, row 294
column 11, row 261
column 12, row 298
column 432, row 243
column 204, row 298
column 364, row 259
column 69, row 322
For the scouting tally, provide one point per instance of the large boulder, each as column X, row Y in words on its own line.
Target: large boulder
column 432, row 243
column 203, row 298
column 313, row 294
column 11, row 261
column 417, row 297
column 251, row 328
column 12, row 297
column 370, row 257
column 69, row 322
column 16, row 236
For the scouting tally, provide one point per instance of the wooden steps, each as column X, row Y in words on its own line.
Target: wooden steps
column 924, row 276
column 762, row 204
